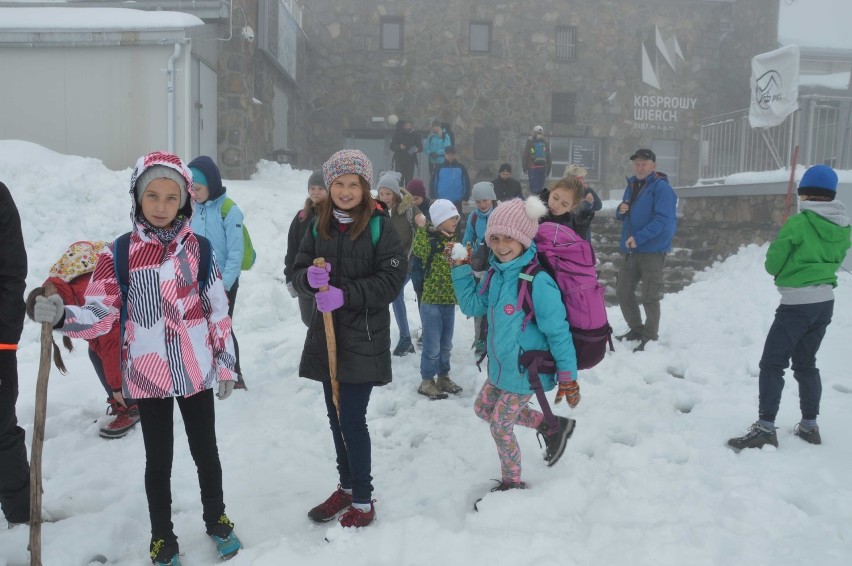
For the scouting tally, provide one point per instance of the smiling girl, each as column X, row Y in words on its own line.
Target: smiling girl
column 564, row 202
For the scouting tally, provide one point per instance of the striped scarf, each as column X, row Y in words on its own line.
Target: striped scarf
column 165, row 235
column 341, row 216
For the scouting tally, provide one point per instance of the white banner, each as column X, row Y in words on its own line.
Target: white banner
column 774, row 86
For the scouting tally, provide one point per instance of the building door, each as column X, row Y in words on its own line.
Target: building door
column 376, row 146
column 205, row 113
column 668, row 158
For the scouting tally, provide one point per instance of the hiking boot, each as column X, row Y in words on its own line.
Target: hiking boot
column 164, row 553
column 227, row 542
column 404, row 347
column 447, row 385
column 125, row 419
column 356, row 518
column 479, row 347
column 328, row 509
column 554, row 442
column 757, row 437
column 241, row 383
column 430, row 389
column 630, row 336
column 501, row 486
column 810, row 435
column 641, row 346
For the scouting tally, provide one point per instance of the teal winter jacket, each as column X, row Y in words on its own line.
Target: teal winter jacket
column 506, row 341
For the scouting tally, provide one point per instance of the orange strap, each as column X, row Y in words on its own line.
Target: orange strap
column 8, row 346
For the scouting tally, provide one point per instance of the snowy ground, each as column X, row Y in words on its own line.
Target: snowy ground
column 646, row 479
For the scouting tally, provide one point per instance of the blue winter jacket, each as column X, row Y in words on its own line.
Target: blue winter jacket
column 435, row 146
column 474, row 231
column 225, row 235
column 506, row 341
column 652, row 218
column 451, row 182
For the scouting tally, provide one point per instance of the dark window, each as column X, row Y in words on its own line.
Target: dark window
column 562, row 110
column 391, row 31
column 566, row 43
column 480, row 37
column 486, row 144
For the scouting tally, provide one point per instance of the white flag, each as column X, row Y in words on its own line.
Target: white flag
column 774, row 86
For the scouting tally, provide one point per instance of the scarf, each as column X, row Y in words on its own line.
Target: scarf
column 165, row 235
column 341, row 216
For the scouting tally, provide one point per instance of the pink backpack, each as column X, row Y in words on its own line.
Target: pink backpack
column 570, row 260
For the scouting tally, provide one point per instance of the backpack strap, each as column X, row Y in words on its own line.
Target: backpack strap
column 375, row 229
column 537, row 362
column 433, row 251
column 227, row 204
column 525, row 280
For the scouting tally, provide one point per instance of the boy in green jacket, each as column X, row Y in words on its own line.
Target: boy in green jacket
column 804, row 260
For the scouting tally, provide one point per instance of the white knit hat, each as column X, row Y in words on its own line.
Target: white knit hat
column 483, row 190
column 442, row 210
column 516, row 219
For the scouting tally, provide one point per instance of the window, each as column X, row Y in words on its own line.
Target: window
column 480, row 37
column 563, row 107
column 668, row 157
column 566, row 43
column 583, row 151
column 486, row 144
column 391, row 31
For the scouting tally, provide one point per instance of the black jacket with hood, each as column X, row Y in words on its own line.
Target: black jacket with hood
column 13, row 270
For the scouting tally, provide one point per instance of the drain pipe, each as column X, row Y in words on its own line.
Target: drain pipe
column 170, row 72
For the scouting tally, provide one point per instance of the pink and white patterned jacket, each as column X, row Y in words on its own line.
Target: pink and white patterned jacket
column 177, row 338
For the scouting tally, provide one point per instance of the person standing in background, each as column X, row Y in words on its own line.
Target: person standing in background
column 536, row 160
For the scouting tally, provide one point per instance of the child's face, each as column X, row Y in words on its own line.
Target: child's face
column 202, row 192
column 449, row 225
column 317, row 193
column 418, row 200
column 386, row 196
column 505, row 248
column 483, row 205
column 347, row 192
column 161, row 202
column 561, row 201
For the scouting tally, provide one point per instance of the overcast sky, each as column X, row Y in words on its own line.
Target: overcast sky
column 816, row 23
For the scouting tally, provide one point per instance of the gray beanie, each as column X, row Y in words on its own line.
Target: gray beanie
column 390, row 180
column 484, row 190
column 160, row 172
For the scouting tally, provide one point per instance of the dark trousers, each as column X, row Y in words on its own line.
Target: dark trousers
column 647, row 268
column 232, row 300
column 98, row 365
column 14, row 469
column 796, row 333
column 351, row 438
column 538, row 176
column 199, row 420
column 406, row 168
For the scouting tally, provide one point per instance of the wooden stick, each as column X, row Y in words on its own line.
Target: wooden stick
column 331, row 344
column 38, row 435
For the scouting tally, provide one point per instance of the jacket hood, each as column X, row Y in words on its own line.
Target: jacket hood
column 406, row 202
column 168, row 160
column 834, row 212
column 207, row 166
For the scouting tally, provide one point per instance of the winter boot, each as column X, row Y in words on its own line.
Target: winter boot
column 555, row 441
column 447, row 385
column 404, row 347
column 430, row 389
column 328, row 509
column 164, row 553
column 630, row 336
column 758, row 436
column 125, row 419
column 354, row 517
column 222, row 533
column 501, row 486
column 808, row 434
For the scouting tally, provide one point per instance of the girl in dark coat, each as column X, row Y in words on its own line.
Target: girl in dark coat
column 365, row 270
column 564, row 202
column 317, row 192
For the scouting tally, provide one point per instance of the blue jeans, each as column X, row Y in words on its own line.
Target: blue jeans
column 438, row 322
column 351, row 437
column 796, row 333
column 537, row 174
column 400, row 313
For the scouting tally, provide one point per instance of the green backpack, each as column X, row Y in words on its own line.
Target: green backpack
column 249, row 255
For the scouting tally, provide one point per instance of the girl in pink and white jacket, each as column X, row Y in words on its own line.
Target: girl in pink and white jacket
column 176, row 342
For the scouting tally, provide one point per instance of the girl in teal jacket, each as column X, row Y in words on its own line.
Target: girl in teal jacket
column 503, row 400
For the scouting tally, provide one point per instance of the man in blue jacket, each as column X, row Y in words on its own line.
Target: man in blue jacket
column 648, row 215
column 451, row 181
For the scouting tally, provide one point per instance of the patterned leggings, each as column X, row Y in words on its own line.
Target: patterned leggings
column 502, row 409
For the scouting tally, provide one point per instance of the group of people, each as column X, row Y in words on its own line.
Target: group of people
column 173, row 312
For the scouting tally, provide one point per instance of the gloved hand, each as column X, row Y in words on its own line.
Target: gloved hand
column 318, row 276
column 48, row 309
column 292, row 290
column 569, row 390
column 225, row 389
column 330, row 300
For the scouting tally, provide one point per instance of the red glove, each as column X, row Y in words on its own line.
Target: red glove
column 570, row 391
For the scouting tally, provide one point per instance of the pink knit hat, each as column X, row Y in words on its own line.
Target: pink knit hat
column 516, row 219
column 347, row 161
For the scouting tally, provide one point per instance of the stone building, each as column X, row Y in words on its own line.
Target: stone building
column 602, row 77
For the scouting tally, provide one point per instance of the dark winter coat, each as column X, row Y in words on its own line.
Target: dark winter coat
column 579, row 220
column 371, row 278
column 412, row 143
column 507, row 189
column 13, row 270
column 301, row 223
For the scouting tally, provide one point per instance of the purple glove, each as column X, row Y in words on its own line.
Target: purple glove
column 330, row 300
column 317, row 276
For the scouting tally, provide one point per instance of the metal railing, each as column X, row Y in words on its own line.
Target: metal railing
column 822, row 127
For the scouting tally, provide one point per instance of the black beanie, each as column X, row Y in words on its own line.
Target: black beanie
column 317, row 179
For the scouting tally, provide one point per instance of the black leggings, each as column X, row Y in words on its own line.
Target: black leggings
column 199, row 420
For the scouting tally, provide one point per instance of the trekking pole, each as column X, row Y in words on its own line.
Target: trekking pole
column 331, row 344
column 38, row 435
